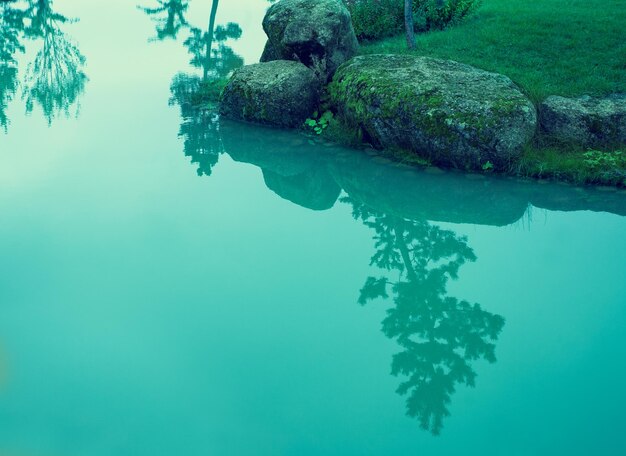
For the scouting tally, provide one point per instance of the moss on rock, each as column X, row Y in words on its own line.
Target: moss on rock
column 318, row 33
column 281, row 93
column 448, row 113
column 585, row 121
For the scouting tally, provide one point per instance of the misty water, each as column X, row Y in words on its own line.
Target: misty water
column 174, row 283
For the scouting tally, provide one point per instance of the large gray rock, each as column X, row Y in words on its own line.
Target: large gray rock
column 585, row 121
column 449, row 113
column 318, row 33
column 280, row 93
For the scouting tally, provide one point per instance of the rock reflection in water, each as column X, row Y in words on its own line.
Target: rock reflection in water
column 440, row 337
column 404, row 191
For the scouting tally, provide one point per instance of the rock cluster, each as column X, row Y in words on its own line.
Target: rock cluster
column 452, row 114
column 307, row 41
column 585, row 122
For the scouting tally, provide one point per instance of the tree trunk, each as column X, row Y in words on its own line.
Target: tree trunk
column 209, row 38
column 408, row 23
column 404, row 252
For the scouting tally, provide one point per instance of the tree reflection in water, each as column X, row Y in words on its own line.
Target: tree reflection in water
column 200, row 126
column 8, row 86
column 169, row 16
column 197, row 96
column 55, row 78
column 11, row 27
column 439, row 335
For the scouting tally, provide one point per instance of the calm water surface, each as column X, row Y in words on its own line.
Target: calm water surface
column 175, row 284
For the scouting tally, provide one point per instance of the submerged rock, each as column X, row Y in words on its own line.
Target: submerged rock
column 280, row 93
column 448, row 112
column 585, row 121
column 318, row 33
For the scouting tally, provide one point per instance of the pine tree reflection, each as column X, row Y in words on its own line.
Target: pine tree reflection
column 439, row 335
column 197, row 96
column 169, row 16
column 200, row 126
column 216, row 61
column 11, row 26
column 8, row 86
column 55, row 78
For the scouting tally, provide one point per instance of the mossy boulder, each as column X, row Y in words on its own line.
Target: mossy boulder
column 281, row 93
column 585, row 121
column 318, row 33
column 450, row 113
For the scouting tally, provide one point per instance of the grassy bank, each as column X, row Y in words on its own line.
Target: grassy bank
column 548, row 47
column 580, row 167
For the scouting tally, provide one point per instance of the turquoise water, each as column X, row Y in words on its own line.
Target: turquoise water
column 172, row 283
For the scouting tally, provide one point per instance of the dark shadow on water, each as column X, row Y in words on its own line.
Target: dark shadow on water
column 55, row 79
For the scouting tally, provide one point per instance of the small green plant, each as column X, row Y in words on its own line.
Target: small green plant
column 488, row 166
column 317, row 123
column 579, row 167
column 597, row 159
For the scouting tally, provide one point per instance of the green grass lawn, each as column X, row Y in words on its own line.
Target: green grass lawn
column 548, row 47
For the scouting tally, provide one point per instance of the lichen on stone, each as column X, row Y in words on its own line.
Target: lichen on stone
column 450, row 113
